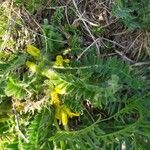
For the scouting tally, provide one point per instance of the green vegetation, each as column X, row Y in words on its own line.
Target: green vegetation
column 135, row 14
column 71, row 84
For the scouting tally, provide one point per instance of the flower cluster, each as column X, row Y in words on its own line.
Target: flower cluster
column 60, row 61
column 62, row 112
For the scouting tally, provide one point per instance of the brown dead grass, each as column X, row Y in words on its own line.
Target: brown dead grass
column 89, row 13
column 130, row 45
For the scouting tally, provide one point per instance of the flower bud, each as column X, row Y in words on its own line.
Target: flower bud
column 32, row 66
column 33, row 51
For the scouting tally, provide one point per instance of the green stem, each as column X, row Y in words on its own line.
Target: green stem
column 66, row 127
column 62, row 143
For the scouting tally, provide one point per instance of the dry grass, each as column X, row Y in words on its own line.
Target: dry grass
column 132, row 45
column 16, row 30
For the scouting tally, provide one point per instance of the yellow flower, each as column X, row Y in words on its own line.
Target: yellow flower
column 58, row 113
column 32, row 66
column 63, row 113
column 60, row 89
column 70, row 114
column 64, row 118
column 60, row 61
column 32, row 50
column 55, row 98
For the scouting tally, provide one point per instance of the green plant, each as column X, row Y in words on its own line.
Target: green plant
column 51, row 100
column 118, row 95
column 31, row 5
column 134, row 14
